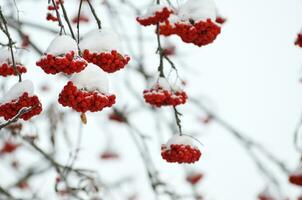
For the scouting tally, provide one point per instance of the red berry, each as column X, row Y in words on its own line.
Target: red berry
column 298, row 41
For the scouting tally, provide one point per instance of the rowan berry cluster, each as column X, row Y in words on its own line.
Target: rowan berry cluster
column 51, row 8
column 295, row 178
column 109, row 61
column 79, row 19
column 68, row 63
column 83, row 101
column 156, row 16
column 7, row 69
column 11, row 109
column 194, row 178
column 199, row 33
column 8, row 147
column 180, row 153
column 298, row 41
column 157, row 96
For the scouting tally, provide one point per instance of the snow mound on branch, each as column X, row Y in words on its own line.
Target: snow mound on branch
column 6, row 57
column 92, row 78
column 61, row 45
column 151, row 10
column 181, row 139
column 17, row 90
column 297, row 171
column 103, row 40
column 198, row 10
column 163, row 83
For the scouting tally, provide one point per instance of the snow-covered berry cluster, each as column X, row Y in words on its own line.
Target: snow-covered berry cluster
column 155, row 14
column 87, row 91
column 6, row 63
column 18, row 97
column 195, row 22
column 61, row 56
column 298, row 41
column 295, row 177
column 109, row 61
column 106, row 52
column 161, row 94
column 180, row 149
column 83, row 101
column 7, row 69
column 68, row 63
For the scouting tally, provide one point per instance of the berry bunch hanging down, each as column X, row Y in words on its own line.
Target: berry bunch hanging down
column 104, row 53
column 20, row 96
column 51, row 9
column 180, row 149
column 194, row 22
column 154, row 15
column 162, row 94
column 62, row 56
column 87, row 91
column 6, row 64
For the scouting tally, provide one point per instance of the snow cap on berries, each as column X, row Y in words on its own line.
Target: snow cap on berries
column 198, row 10
column 61, row 45
column 181, row 139
column 6, row 57
column 91, row 79
column 17, row 90
column 103, row 40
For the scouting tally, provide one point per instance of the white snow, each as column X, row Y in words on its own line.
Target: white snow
column 61, row 45
column 163, row 83
column 181, row 139
column 198, row 10
column 103, row 40
column 92, row 78
column 17, row 90
column 6, row 57
column 151, row 10
column 298, row 170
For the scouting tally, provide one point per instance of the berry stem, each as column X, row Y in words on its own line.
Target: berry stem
column 62, row 29
column 177, row 115
column 4, row 28
column 98, row 21
column 78, row 22
column 67, row 19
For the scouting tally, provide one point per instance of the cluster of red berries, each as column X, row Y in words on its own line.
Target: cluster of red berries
column 160, row 97
column 115, row 116
column 295, row 178
column 8, row 147
column 79, row 19
column 265, row 197
column 68, row 63
column 11, row 109
column 180, row 153
column 50, row 8
column 220, row 20
column 157, row 17
column 109, row 155
column 25, row 41
column 199, row 33
column 194, row 178
column 298, row 41
column 8, row 69
column 83, row 101
column 109, row 61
